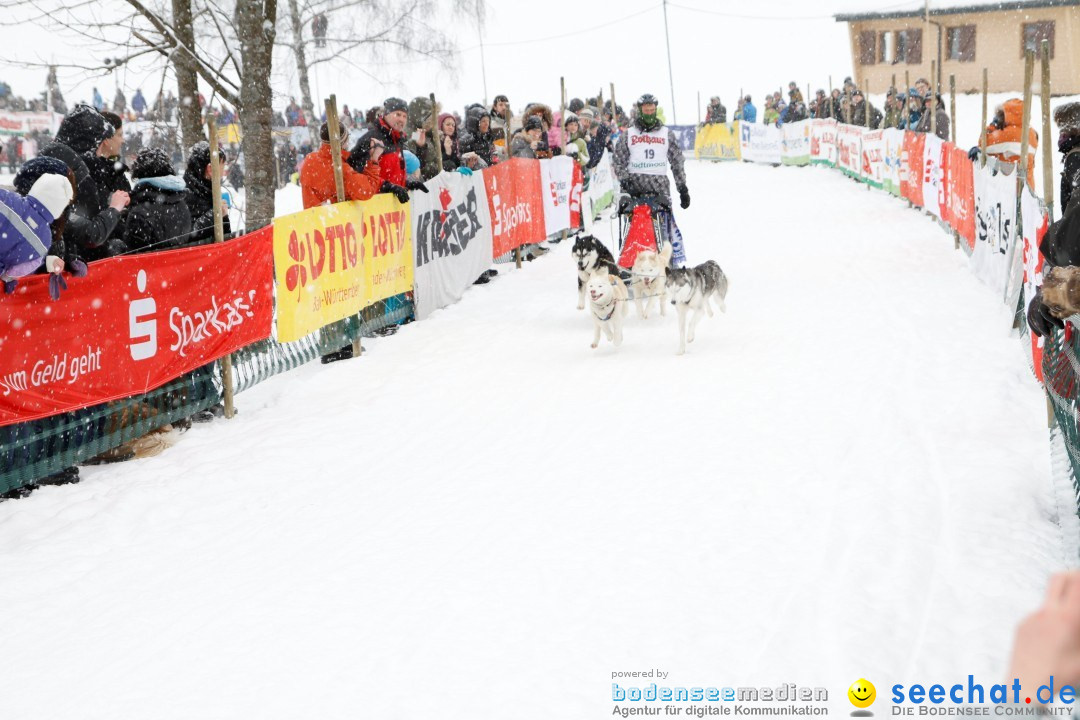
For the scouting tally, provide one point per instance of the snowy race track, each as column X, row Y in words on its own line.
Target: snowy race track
column 846, row 476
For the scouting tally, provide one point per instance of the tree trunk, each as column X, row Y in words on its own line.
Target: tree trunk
column 302, row 69
column 187, row 82
column 256, row 28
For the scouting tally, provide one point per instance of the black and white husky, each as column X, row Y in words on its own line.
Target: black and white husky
column 693, row 289
column 590, row 254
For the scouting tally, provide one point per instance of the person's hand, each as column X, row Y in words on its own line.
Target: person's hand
column 1047, row 642
column 421, row 138
column 448, row 145
column 1039, row 318
column 377, row 150
column 397, row 191
column 119, row 200
column 684, row 197
column 534, row 144
column 416, row 185
column 54, row 264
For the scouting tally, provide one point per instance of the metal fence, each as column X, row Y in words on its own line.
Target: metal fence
column 34, row 450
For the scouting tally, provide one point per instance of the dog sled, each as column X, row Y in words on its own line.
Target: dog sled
column 646, row 223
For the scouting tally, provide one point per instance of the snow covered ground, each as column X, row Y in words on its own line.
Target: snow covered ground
column 846, row 476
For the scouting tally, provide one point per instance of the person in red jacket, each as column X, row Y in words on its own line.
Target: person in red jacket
column 390, row 130
column 317, row 173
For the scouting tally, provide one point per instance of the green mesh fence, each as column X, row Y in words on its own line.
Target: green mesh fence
column 1060, row 373
column 34, row 450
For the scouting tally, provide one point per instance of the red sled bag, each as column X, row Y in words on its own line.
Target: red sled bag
column 640, row 236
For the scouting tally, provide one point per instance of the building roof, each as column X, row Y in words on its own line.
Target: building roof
column 917, row 8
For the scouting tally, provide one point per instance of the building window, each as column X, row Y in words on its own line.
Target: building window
column 1035, row 33
column 867, row 47
column 961, row 43
column 912, row 44
column 887, row 48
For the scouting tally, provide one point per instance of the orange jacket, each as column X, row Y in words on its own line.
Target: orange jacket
column 1005, row 144
column 317, row 179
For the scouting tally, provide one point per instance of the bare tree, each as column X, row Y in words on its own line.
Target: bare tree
column 372, row 30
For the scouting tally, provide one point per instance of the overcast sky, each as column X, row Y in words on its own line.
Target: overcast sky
column 717, row 47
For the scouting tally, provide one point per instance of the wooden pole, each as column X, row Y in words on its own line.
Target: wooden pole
column 1029, row 73
column 1021, row 170
column 952, row 108
column 614, row 108
column 985, row 125
column 333, row 130
column 219, row 236
column 933, row 100
column 866, row 102
column 1047, row 148
column 562, row 101
column 832, row 111
column 436, row 133
column 907, row 89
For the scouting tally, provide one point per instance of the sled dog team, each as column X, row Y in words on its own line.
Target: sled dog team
column 691, row 290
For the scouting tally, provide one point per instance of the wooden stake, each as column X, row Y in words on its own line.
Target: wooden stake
column 907, row 89
column 1029, row 72
column 333, row 130
column 866, row 102
column 933, row 99
column 614, row 108
column 219, row 236
column 952, row 108
column 1021, row 170
column 985, row 120
column 1047, row 148
column 562, row 100
column 436, row 133
column 832, row 111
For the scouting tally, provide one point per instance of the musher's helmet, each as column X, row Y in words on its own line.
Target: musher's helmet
column 647, row 120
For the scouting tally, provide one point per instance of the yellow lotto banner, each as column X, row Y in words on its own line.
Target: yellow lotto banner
column 387, row 247
column 718, row 141
column 320, row 268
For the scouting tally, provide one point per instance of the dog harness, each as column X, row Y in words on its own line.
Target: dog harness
column 614, row 306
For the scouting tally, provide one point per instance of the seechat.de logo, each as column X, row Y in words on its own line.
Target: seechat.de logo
column 862, row 695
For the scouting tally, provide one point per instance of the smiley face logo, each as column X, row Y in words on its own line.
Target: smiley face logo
column 862, row 693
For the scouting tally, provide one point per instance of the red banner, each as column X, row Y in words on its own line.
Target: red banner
column 514, row 199
column 131, row 325
column 575, row 196
column 911, row 181
column 962, row 191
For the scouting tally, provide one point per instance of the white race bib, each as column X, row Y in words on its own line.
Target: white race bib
column 648, row 151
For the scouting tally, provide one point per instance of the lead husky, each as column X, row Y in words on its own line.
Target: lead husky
column 590, row 254
column 694, row 288
column 649, row 283
column 609, row 301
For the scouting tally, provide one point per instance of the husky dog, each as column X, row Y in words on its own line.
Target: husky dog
column 650, row 280
column 590, row 254
column 608, row 300
column 694, row 288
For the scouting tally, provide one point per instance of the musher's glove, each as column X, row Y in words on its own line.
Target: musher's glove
column 684, row 197
column 396, row 190
column 1039, row 318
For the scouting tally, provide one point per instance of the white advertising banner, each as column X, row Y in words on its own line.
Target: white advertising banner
column 451, row 239
column 994, row 253
column 556, row 179
column 761, row 143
